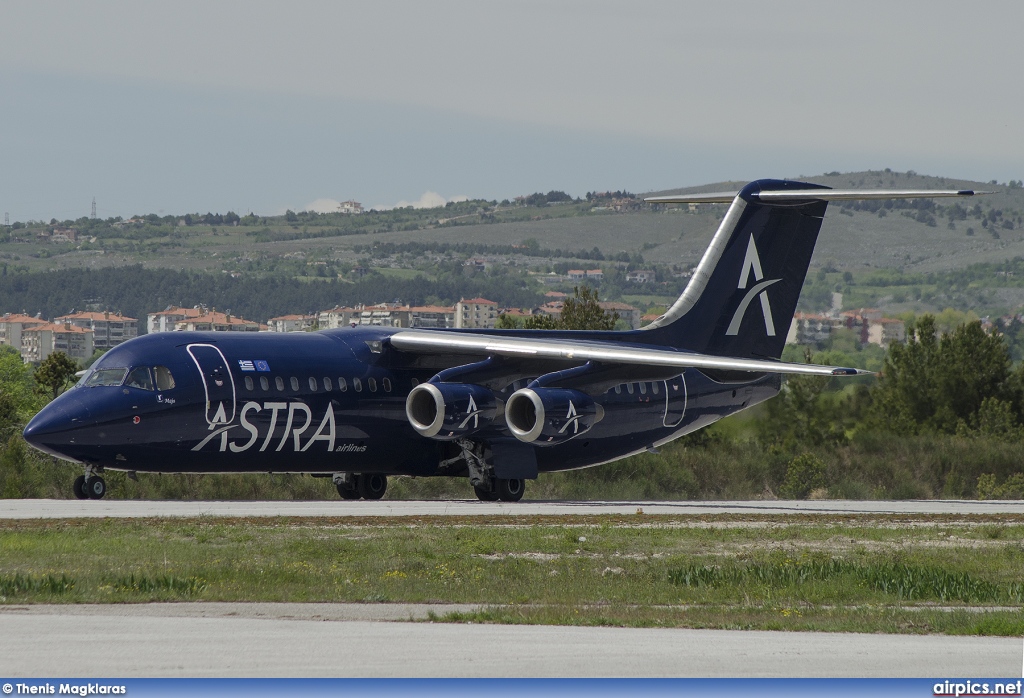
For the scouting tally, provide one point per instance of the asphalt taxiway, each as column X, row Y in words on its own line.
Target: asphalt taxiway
column 344, row 640
column 76, row 509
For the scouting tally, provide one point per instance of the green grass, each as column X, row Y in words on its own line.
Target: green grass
column 870, row 574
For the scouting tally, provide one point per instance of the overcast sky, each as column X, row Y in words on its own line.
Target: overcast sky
column 210, row 106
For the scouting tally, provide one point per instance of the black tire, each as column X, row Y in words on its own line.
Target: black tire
column 510, row 490
column 79, row 488
column 485, row 495
column 95, row 487
column 372, row 485
column 347, row 491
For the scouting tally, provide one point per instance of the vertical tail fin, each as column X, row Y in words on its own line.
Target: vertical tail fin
column 742, row 296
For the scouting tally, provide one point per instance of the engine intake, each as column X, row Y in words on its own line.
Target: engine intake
column 549, row 416
column 449, row 411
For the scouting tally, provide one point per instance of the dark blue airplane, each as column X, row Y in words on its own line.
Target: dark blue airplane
column 362, row 403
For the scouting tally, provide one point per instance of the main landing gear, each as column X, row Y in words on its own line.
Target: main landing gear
column 361, row 485
column 488, row 488
column 90, row 485
column 507, row 490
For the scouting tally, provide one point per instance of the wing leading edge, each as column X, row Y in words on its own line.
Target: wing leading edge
column 440, row 342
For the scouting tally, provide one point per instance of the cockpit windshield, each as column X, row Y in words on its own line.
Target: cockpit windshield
column 106, row 376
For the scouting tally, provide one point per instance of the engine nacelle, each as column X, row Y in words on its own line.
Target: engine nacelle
column 449, row 411
column 549, row 416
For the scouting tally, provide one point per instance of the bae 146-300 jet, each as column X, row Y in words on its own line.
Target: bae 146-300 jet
column 360, row 404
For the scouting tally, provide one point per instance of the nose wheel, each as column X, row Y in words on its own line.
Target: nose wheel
column 89, row 486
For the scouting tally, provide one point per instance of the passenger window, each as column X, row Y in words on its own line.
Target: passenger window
column 415, row 382
column 327, row 384
column 643, row 388
column 140, row 378
column 372, row 384
column 618, row 390
column 106, row 376
column 164, row 378
column 295, row 384
column 248, row 382
column 629, row 388
column 654, row 388
column 279, row 382
column 342, row 385
column 264, row 383
column 387, row 385
column 312, row 384
column 357, row 384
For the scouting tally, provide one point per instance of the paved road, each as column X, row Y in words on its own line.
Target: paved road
column 207, row 640
column 63, row 508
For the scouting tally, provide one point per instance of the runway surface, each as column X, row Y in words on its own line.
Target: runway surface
column 226, row 640
column 75, row 509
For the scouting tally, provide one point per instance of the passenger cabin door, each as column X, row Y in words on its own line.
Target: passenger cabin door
column 675, row 401
column 217, row 381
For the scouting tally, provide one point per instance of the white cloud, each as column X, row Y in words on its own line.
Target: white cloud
column 430, row 199
column 322, row 206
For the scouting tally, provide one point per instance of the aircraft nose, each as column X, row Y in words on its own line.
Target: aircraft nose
column 50, row 430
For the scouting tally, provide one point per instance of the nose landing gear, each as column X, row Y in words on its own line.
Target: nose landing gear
column 90, row 485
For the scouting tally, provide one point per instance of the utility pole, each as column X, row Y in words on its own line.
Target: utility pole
column 94, row 207
column 7, row 219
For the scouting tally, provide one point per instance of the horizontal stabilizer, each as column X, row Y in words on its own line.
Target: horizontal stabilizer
column 814, row 195
column 602, row 352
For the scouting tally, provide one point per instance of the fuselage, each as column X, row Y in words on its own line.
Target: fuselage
column 325, row 402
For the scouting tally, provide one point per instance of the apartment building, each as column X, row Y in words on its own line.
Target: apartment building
column 13, row 324
column 167, row 320
column 39, row 341
column 291, row 323
column 476, row 312
column 109, row 329
column 218, row 322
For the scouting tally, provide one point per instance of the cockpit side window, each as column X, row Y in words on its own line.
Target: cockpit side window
column 164, row 378
column 106, row 376
column 140, row 378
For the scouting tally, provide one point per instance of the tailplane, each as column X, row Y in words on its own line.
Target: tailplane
column 742, row 295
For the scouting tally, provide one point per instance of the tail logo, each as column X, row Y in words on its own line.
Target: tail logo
column 752, row 265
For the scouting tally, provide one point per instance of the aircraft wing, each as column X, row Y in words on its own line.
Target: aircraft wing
column 441, row 342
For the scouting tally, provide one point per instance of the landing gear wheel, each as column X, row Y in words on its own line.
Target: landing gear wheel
column 347, row 491
column 79, row 488
column 95, row 487
column 510, row 490
column 485, row 495
column 372, row 486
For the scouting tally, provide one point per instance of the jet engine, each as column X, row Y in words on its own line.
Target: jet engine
column 449, row 411
column 549, row 416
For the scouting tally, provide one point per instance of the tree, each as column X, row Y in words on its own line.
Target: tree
column 582, row 312
column 55, row 373
column 938, row 384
